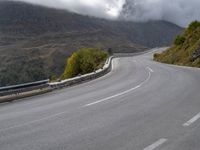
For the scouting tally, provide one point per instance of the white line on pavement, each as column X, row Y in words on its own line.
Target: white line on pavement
column 124, row 92
column 191, row 121
column 156, row 144
column 150, row 69
column 108, row 98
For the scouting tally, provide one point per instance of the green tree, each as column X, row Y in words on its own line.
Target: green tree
column 179, row 40
column 72, row 68
column 194, row 25
column 84, row 61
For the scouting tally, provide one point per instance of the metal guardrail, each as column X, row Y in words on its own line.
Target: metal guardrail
column 16, row 89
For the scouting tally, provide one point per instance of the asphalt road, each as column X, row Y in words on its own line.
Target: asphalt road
column 140, row 105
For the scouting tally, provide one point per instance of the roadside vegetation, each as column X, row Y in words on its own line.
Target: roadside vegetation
column 23, row 72
column 84, row 61
column 185, row 50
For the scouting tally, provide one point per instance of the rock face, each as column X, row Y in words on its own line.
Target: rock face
column 35, row 41
column 195, row 55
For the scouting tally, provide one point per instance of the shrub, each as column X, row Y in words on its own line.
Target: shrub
column 156, row 55
column 194, row 25
column 73, row 66
column 179, row 40
column 84, row 61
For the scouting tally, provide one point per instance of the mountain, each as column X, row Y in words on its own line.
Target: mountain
column 186, row 48
column 35, row 41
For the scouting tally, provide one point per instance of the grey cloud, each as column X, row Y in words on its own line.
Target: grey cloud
column 180, row 12
column 97, row 8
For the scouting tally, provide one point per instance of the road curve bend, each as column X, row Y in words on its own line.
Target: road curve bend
column 139, row 105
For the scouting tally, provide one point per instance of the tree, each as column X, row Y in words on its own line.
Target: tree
column 84, row 61
column 179, row 40
column 193, row 26
column 73, row 66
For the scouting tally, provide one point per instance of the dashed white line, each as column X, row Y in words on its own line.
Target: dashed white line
column 108, row 98
column 150, row 69
column 156, row 144
column 191, row 121
column 124, row 92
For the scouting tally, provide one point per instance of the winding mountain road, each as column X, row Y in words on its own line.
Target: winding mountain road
column 139, row 105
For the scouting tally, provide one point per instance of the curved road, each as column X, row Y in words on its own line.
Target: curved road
column 140, row 105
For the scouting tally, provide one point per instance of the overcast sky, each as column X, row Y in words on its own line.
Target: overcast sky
column 180, row 12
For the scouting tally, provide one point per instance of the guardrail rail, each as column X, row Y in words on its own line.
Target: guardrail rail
column 23, row 87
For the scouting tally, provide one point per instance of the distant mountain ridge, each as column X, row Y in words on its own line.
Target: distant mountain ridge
column 43, row 38
column 18, row 18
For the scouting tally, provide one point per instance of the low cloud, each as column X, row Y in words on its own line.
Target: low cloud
column 98, row 8
column 180, row 12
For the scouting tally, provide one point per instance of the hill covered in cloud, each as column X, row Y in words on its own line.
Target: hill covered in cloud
column 180, row 12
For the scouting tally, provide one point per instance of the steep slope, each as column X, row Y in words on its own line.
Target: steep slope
column 186, row 48
column 35, row 41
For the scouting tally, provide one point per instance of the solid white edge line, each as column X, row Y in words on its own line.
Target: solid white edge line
column 191, row 121
column 122, row 93
column 156, row 144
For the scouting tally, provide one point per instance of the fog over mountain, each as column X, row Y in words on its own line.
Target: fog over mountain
column 99, row 8
column 180, row 12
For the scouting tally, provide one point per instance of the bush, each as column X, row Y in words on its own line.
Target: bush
column 84, row 61
column 194, row 25
column 179, row 40
column 156, row 55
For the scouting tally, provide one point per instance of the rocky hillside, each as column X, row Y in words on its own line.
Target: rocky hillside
column 35, row 41
column 186, row 48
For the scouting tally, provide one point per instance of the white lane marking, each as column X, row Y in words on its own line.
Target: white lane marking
column 156, row 144
column 108, row 98
column 122, row 93
column 150, row 69
column 191, row 121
